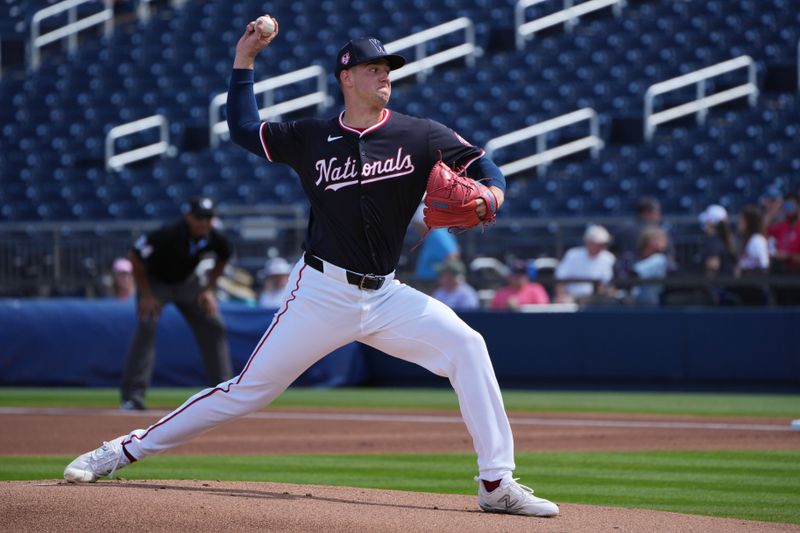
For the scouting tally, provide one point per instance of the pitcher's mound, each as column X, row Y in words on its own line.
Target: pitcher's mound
column 236, row 506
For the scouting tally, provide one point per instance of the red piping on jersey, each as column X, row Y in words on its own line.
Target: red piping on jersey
column 386, row 114
column 478, row 156
column 264, row 144
column 230, row 384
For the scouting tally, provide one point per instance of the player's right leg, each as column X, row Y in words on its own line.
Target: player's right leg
column 316, row 319
column 414, row 327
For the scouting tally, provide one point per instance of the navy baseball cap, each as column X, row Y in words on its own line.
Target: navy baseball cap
column 365, row 50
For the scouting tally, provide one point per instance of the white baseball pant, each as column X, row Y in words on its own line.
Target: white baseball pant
column 322, row 312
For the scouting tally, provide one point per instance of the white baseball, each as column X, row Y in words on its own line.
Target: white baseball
column 267, row 26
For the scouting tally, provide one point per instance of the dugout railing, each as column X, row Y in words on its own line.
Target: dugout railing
column 70, row 30
column 702, row 102
column 568, row 15
column 543, row 155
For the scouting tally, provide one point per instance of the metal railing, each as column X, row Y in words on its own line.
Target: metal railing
column 219, row 128
column 47, row 258
column 422, row 65
column 568, row 16
column 69, row 30
column 544, row 155
column 701, row 102
column 117, row 161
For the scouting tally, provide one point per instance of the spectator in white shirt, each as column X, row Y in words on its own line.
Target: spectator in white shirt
column 592, row 261
column 275, row 275
column 754, row 255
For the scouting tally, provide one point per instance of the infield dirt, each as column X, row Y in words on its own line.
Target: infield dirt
column 238, row 506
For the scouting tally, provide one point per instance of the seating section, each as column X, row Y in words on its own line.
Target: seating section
column 52, row 147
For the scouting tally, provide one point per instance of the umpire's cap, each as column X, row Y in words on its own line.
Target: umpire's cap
column 365, row 50
column 200, row 206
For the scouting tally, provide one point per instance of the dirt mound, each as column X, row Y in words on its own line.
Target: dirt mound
column 119, row 505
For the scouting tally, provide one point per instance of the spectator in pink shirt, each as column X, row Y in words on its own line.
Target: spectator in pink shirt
column 519, row 291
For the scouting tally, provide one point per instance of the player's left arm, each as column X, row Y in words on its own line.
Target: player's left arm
column 459, row 153
column 485, row 171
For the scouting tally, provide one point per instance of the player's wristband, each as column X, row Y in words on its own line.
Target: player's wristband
column 493, row 201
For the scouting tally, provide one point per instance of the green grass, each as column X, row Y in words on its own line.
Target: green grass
column 712, row 404
column 755, row 485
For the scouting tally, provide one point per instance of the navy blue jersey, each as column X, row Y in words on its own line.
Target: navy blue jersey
column 364, row 187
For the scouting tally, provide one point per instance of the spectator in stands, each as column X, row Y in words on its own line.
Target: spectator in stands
column 520, row 290
column 592, row 261
column 753, row 256
column 754, row 252
column 438, row 246
column 627, row 239
column 276, row 276
column 122, row 285
column 164, row 267
column 653, row 263
column 453, row 290
column 718, row 249
column 235, row 285
column 772, row 205
column 784, row 241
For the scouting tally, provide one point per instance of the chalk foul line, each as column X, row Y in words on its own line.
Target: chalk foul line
column 422, row 419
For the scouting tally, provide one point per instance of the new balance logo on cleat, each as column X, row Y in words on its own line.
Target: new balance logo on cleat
column 508, row 502
column 512, row 498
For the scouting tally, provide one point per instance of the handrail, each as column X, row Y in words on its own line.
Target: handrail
column 544, row 155
column 69, row 30
column 701, row 103
column 568, row 15
column 422, row 64
column 218, row 128
column 115, row 162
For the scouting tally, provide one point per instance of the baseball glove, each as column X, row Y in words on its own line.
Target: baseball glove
column 452, row 199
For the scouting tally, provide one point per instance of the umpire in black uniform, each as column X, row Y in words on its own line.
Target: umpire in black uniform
column 164, row 263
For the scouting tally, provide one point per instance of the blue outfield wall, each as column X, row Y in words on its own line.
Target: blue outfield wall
column 84, row 343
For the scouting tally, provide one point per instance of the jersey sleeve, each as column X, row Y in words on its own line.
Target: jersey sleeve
column 222, row 246
column 454, row 149
column 282, row 141
column 147, row 244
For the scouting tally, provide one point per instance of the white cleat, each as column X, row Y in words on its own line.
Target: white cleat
column 512, row 498
column 103, row 461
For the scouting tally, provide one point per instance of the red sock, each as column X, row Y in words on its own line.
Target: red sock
column 491, row 485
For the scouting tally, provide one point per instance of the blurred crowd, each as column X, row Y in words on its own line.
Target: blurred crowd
column 748, row 258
